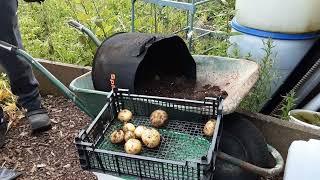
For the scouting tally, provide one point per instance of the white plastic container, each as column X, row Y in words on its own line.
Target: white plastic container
column 288, row 49
column 285, row 16
column 303, row 161
column 298, row 115
column 101, row 176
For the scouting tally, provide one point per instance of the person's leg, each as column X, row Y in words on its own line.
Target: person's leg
column 22, row 80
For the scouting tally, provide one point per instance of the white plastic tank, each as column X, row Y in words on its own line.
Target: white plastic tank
column 287, row 52
column 303, row 161
column 285, row 16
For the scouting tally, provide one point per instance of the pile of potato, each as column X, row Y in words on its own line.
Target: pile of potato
column 134, row 136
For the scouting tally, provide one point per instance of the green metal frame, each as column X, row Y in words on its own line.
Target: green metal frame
column 190, row 6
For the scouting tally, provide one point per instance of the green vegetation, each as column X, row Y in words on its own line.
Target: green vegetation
column 8, row 101
column 262, row 90
column 287, row 105
column 46, row 34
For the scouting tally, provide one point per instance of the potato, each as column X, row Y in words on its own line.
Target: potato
column 151, row 138
column 133, row 146
column 128, row 127
column 209, row 127
column 158, row 118
column 125, row 115
column 129, row 135
column 117, row 136
column 139, row 131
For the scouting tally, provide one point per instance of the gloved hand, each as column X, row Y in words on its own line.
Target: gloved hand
column 39, row 1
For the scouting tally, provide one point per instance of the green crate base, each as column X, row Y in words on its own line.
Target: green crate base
column 177, row 143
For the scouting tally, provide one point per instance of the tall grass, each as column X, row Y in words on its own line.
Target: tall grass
column 46, row 35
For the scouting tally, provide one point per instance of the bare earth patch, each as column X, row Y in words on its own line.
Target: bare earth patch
column 50, row 155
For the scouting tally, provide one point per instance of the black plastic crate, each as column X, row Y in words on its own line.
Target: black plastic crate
column 184, row 151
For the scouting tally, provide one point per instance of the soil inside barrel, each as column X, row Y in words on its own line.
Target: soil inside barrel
column 179, row 87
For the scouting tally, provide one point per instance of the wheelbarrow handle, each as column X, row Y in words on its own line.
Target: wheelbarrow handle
column 6, row 46
column 266, row 172
column 26, row 57
column 85, row 30
column 75, row 24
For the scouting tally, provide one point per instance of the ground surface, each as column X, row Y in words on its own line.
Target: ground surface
column 51, row 155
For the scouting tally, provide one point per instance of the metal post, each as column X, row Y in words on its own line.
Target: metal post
column 190, row 32
column 132, row 15
column 155, row 19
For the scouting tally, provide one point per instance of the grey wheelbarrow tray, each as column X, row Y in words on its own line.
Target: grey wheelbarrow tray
column 234, row 76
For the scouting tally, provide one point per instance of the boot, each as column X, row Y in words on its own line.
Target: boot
column 39, row 120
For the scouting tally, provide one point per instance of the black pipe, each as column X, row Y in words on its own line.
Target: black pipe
column 299, row 71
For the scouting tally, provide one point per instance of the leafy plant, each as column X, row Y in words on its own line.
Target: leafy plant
column 287, row 105
column 8, row 101
column 262, row 90
column 5, row 94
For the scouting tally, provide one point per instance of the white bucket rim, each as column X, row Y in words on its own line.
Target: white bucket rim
column 293, row 119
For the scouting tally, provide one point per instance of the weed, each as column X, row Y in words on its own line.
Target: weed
column 262, row 90
column 8, row 101
column 287, row 105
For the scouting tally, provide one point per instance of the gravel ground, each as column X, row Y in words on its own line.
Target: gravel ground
column 50, row 155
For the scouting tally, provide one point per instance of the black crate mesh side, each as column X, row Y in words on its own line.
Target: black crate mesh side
column 145, row 168
column 144, row 106
column 105, row 119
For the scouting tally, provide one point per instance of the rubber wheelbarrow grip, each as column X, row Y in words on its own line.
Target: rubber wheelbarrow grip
column 266, row 172
column 8, row 47
column 85, row 30
column 75, row 24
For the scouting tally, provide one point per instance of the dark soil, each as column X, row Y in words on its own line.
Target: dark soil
column 179, row 88
column 50, row 155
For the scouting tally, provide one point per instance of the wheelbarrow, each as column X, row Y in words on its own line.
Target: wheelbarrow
column 235, row 76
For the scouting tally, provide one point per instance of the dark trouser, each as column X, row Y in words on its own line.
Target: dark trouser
column 22, row 81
